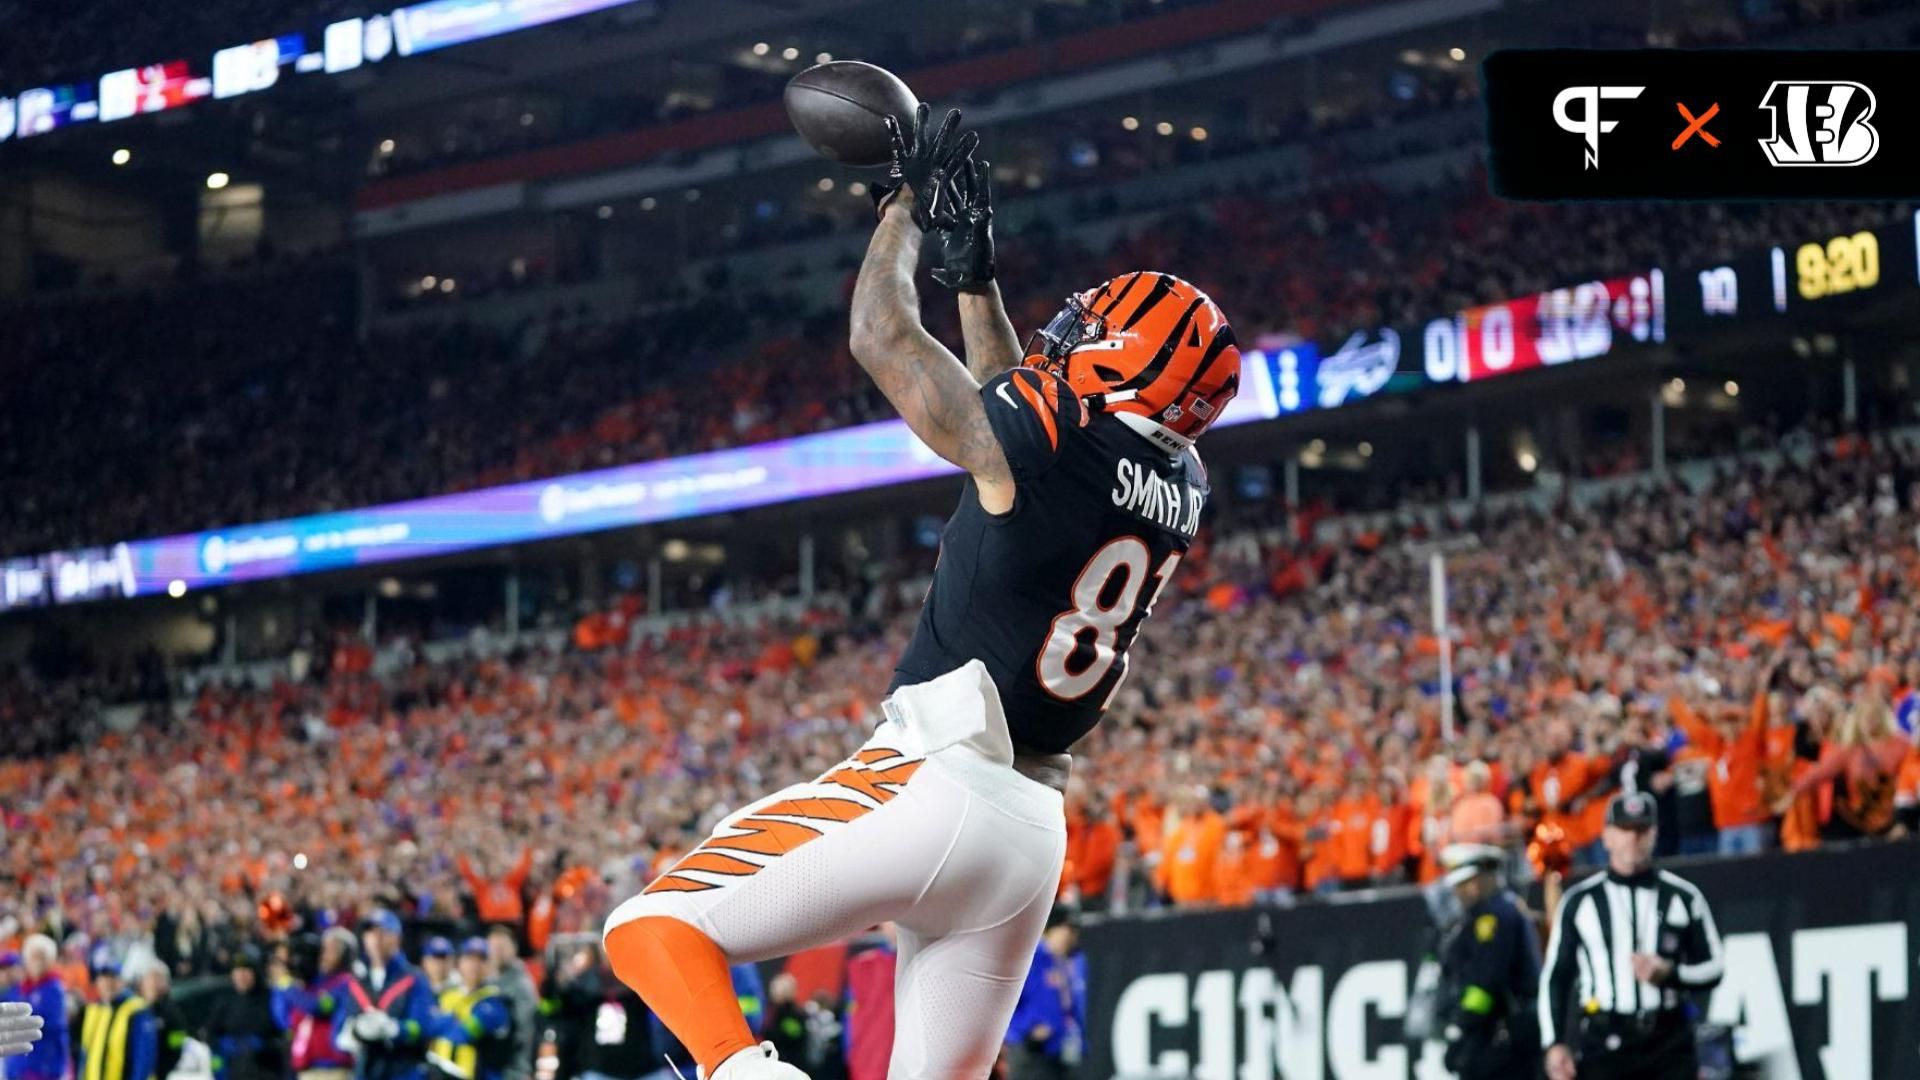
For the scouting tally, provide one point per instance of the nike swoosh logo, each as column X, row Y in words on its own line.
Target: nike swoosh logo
column 1006, row 397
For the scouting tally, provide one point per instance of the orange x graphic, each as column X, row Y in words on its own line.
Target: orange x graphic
column 1697, row 125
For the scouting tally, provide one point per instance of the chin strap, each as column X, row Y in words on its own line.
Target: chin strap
column 1099, row 402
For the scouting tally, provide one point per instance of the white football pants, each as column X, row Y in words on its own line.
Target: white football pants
column 927, row 826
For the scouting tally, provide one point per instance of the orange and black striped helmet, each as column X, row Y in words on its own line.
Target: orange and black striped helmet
column 1145, row 345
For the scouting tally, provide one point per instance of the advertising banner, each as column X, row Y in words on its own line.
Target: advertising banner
column 1820, row 957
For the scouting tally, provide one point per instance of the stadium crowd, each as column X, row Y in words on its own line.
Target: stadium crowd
column 1744, row 649
column 244, row 383
column 47, row 48
column 457, row 136
column 1747, row 649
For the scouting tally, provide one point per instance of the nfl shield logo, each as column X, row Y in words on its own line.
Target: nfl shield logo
column 1173, row 413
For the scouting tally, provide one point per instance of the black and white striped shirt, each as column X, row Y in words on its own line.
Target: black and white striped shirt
column 1601, row 923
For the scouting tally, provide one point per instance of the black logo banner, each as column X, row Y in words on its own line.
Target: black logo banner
column 1703, row 123
column 1822, row 982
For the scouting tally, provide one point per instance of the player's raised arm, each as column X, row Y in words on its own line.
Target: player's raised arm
column 933, row 392
column 967, row 267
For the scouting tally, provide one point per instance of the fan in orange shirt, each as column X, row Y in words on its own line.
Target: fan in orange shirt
column 1735, row 744
column 1561, row 777
column 1277, row 851
column 1093, row 842
column 1233, row 884
column 1906, row 795
column 1190, row 846
column 1352, row 840
column 1789, row 752
column 1862, row 762
column 1477, row 816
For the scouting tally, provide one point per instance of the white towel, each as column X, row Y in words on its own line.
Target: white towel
column 960, row 707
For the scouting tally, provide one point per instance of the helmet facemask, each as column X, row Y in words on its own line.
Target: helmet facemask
column 1073, row 326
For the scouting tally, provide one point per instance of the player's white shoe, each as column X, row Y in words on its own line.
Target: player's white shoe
column 759, row 1063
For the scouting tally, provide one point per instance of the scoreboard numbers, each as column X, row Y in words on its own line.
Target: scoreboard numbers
column 1840, row 266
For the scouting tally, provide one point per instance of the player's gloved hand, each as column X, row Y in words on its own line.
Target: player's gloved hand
column 966, row 245
column 922, row 160
column 19, row 1028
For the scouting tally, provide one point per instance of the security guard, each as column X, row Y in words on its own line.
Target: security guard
column 1489, row 971
column 475, row 1027
column 385, row 1018
column 1630, row 948
column 118, row 1040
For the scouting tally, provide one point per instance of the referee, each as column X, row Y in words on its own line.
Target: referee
column 1629, row 947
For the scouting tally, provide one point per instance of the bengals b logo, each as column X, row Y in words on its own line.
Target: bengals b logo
column 1820, row 123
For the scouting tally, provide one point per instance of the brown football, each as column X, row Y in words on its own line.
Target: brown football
column 838, row 107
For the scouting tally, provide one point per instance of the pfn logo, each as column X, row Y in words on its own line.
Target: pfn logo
column 1589, row 125
column 1819, row 123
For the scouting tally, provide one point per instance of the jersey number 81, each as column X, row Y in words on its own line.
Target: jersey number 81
column 1088, row 615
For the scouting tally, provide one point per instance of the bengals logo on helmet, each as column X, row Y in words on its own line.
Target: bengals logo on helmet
column 1146, row 345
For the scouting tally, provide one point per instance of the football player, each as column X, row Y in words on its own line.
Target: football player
column 1083, row 491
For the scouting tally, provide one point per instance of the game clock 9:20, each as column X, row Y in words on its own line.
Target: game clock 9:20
column 1839, row 266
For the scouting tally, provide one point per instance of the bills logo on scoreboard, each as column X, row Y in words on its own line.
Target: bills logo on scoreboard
column 1819, row 124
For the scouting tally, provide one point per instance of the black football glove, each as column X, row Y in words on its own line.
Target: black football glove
column 966, row 245
column 922, row 160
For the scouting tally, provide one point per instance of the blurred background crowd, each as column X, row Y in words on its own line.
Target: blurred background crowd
column 1744, row 649
column 1731, row 622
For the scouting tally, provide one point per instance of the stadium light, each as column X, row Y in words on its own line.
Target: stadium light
column 604, row 213
column 526, row 119
column 1732, row 388
column 122, row 156
column 790, row 53
column 1199, row 134
column 176, row 588
column 825, row 184
column 1457, row 53
column 447, row 285
column 649, row 203
column 386, row 146
column 428, row 282
column 1527, row 461
column 216, row 181
column 1366, row 449
column 1131, row 123
column 823, row 58
column 1163, row 127
column 857, row 189
column 300, row 860
column 761, row 48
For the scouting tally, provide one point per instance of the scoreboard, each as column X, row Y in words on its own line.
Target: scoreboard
column 1560, row 326
column 1800, row 281
column 1808, row 277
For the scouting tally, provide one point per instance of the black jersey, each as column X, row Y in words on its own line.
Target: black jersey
column 1050, row 594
